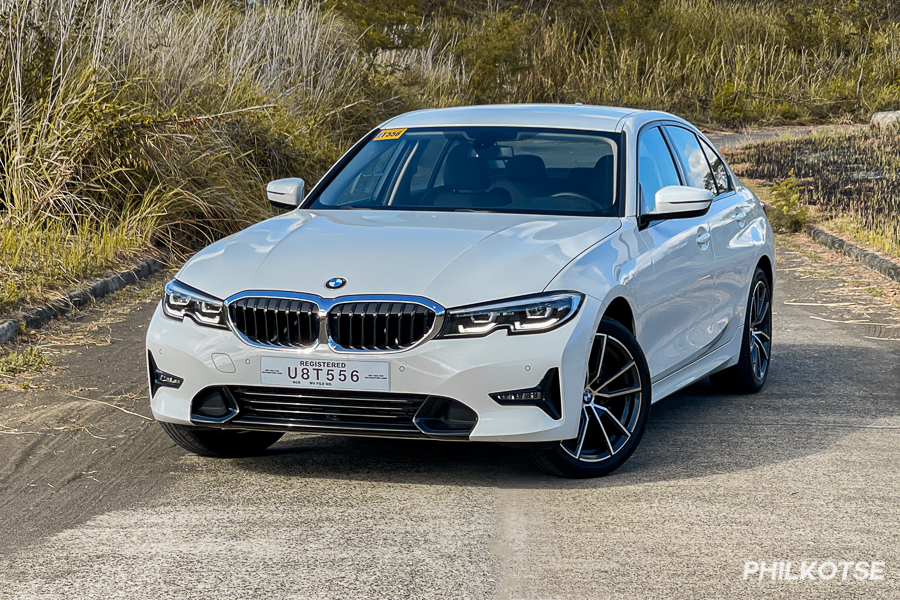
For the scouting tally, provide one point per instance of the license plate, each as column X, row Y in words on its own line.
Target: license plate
column 328, row 374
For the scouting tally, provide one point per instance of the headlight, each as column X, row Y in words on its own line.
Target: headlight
column 530, row 314
column 183, row 301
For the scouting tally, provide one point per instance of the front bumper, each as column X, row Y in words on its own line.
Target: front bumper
column 465, row 370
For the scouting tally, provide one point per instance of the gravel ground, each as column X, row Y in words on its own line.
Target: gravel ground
column 96, row 502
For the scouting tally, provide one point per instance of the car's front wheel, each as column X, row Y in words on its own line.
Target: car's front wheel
column 219, row 443
column 614, row 410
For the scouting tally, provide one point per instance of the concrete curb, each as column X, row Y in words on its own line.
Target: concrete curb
column 888, row 268
column 35, row 317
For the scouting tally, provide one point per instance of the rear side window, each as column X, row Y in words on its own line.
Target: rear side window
column 719, row 171
column 656, row 168
column 696, row 167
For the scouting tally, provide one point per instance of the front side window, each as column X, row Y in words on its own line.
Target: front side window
column 687, row 148
column 494, row 169
column 656, row 168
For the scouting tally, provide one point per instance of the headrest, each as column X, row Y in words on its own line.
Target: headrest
column 525, row 167
column 604, row 166
column 465, row 173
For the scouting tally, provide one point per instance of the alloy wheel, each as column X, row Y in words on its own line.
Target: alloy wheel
column 611, row 402
column 760, row 329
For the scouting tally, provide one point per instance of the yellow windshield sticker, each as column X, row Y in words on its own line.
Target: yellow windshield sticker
column 389, row 134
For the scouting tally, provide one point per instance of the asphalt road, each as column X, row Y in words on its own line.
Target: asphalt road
column 95, row 501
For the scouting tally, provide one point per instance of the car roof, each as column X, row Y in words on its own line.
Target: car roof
column 562, row 116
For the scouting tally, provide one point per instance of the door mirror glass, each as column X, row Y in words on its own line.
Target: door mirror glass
column 285, row 192
column 680, row 201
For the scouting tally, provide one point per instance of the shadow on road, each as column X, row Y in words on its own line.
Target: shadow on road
column 696, row 433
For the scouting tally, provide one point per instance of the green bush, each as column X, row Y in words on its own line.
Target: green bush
column 27, row 361
column 786, row 211
column 728, row 104
column 497, row 55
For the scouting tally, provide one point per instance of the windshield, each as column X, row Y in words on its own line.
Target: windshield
column 495, row 169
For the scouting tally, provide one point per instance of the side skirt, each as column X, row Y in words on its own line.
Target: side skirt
column 720, row 358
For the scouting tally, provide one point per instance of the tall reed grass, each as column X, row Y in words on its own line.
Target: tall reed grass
column 128, row 126
column 714, row 61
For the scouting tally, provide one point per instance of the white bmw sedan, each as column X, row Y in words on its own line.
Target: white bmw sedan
column 530, row 275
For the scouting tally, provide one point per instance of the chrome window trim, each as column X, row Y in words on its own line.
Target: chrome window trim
column 325, row 305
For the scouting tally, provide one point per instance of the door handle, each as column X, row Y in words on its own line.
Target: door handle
column 703, row 238
column 740, row 216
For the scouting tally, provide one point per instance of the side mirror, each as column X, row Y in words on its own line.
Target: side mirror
column 680, row 201
column 285, row 192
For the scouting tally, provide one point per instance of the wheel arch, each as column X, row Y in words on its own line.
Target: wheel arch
column 765, row 264
column 619, row 310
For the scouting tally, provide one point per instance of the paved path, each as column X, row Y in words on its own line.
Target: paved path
column 758, row 134
column 95, row 502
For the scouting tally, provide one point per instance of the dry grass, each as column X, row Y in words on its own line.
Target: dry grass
column 844, row 290
column 745, row 64
column 851, row 178
column 130, row 126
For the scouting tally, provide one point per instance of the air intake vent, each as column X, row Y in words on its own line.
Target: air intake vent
column 282, row 322
column 286, row 409
column 379, row 325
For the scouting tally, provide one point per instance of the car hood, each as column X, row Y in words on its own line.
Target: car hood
column 453, row 258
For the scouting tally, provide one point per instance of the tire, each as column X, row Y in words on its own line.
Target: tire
column 749, row 375
column 612, row 422
column 218, row 443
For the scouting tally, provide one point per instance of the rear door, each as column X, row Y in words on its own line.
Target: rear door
column 677, row 304
column 728, row 217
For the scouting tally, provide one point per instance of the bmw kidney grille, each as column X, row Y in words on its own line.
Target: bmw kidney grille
column 361, row 326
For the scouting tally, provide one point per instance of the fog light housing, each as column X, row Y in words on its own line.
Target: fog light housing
column 213, row 406
column 445, row 418
column 546, row 396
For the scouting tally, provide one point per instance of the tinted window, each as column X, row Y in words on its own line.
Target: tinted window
column 656, row 169
column 353, row 186
column 687, row 148
column 562, row 152
column 720, row 172
column 426, row 163
column 496, row 169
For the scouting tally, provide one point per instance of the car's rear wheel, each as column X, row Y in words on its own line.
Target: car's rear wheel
column 614, row 410
column 749, row 375
column 219, row 443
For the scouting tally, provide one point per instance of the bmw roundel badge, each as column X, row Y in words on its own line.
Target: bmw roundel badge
column 335, row 283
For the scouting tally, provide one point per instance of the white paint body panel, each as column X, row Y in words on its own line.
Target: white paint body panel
column 688, row 301
column 450, row 258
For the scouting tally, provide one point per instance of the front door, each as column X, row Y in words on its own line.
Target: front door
column 676, row 325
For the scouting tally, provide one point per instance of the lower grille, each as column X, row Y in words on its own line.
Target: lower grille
column 367, row 413
column 282, row 322
column 379, row 325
